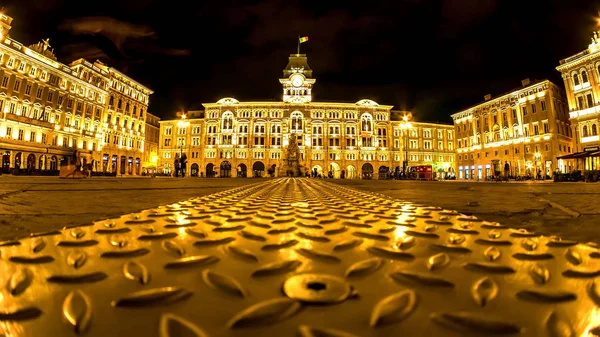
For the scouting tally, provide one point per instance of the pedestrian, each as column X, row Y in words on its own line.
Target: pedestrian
column 183, row 165
column 176, row 164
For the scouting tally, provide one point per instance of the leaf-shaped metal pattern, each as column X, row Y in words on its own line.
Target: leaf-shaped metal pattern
column 533, row 256
column 213, row 242
column 539, row 273
column 192, row 261
column 195, row 233
column 421, row 279
column 427, row 235
column 223, row 283
column 243, row 253
column 77, row 233
column 38, row 244
column 77, row 309
column 252, row 236
column 438, row 261
column 276, row 246
column 278, row 231
column 406, row 242
column 125, row 253
column 307, row 331
column 456, row 239
column 391, row 253
column 277, row 268
column 335, row 231
column 77, row 278
column 228, row 228
column 581, row 273
column 174, row 326
column 573, row 256
column 265, row 313
column 317, row 255
column 22, row 314
column 558, row 326
column 157, row 236
column 136, row 271
column 450, row 248
column 313, row 237
column 119, row 241
column 150, row 297
column 549, row 296
column 477, row 323
column 173, row 248
column 394, row 308
column 494, row 234
column 364, row 267
column 489, row 267
column 530, row 244
column 19, row 281
column 347, row 244
column 484, row 290
column 31, row 259
column 492, row 253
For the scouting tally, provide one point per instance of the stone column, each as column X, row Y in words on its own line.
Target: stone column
column 569, row 92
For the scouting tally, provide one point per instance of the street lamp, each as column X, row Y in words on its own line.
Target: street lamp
column 405, row 125
column 183, row 123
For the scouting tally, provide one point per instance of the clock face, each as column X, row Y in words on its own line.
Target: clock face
column 297, row 81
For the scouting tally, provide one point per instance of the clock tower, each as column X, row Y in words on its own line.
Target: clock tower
column 297, row 80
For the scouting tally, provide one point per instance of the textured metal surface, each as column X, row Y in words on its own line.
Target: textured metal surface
column 297, row 257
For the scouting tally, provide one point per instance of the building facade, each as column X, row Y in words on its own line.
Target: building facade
column 230, row 138
column 49, row 109
column 581, row 75
column 151, row 141
column 520, row 133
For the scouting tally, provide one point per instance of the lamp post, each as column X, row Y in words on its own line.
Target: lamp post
column 183, row 123
column 405, row 125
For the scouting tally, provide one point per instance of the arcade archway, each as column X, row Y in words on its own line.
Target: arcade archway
column 6, row 162
column 316, row 171
column 194, row 170
column 258, row 169
column 242, row 171
column 367, row 171
column 225, row 169
column 351, row 172
column 335, row 168
column 210, row 170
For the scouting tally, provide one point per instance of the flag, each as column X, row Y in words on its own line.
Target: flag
column 303, row 39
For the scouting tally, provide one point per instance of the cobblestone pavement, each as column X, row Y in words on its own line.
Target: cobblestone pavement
column 297, row 257
column 570, row 210
column 38, row 204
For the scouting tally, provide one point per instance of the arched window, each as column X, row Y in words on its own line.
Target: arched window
column 594, row 130
column 111, row 101
column 584, row 77
column 119, row 104
column 366, row 123
column 576, row 79
column 585, row 131
column 227, row 121
column 126, row 107
column 296, row 121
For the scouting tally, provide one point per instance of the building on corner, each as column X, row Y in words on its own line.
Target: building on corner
column 230, row 138
column 520, row 133
column 581, row 75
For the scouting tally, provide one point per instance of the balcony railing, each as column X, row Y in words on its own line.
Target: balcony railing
column 31, row 121
column 584, row 112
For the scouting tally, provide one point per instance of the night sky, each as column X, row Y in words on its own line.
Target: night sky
column 432, row 57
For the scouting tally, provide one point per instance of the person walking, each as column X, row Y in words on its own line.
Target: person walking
column 176, row 165
column 183, row 165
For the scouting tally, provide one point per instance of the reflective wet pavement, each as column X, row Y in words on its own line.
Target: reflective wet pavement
column 297, row 257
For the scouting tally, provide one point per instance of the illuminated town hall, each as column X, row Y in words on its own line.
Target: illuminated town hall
column 340, row 140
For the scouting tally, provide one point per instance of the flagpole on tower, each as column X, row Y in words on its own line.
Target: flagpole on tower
column 298, row 45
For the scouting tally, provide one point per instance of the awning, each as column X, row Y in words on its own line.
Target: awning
column 578, row 155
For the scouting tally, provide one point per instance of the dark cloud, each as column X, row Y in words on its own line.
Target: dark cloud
column 83, row 50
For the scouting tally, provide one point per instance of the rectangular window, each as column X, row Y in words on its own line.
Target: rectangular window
column 543, row 103
column 20, row 137
column 27, row 89
column 524, row 109
column 590, row 100
column 533, row 108
column 32, row 136
column 44, row 138
column 17, row 85
column 514, row 114
column 580, row 102
column 50, row 96
column 5, row 82
column 39, row 93
column 536, row 129
column 546, row 128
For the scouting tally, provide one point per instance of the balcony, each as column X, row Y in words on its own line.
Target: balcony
column 30, row 121
column 584, row 112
